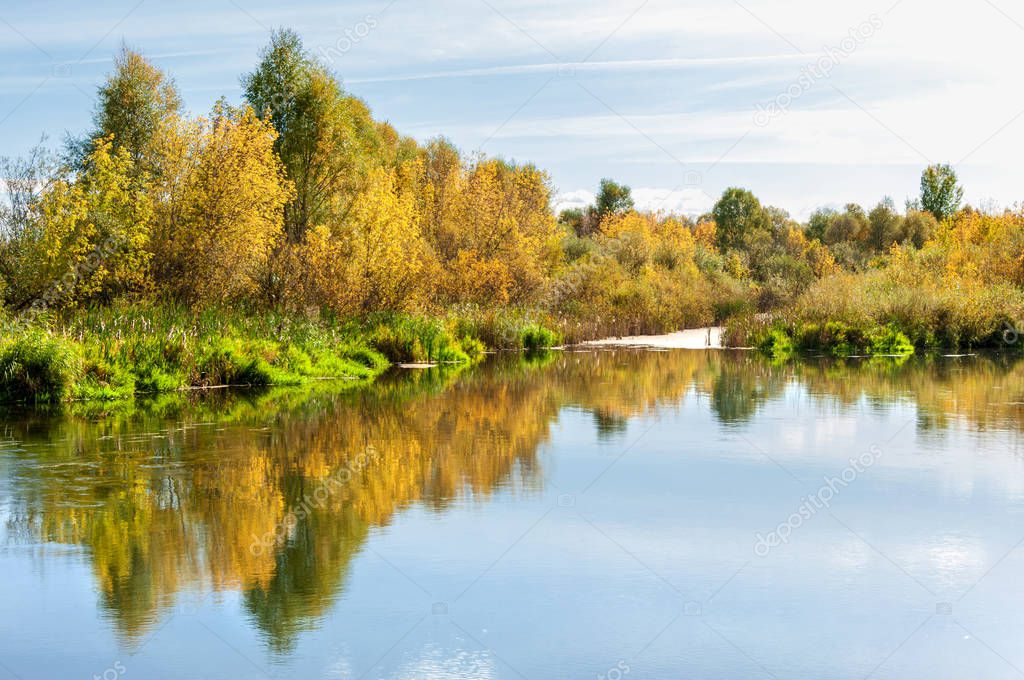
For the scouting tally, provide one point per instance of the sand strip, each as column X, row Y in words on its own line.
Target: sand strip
column 694, row 338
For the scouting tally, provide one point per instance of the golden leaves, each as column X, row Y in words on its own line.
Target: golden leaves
column 223, row 213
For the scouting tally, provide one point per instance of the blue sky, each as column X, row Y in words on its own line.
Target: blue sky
column 806, row 103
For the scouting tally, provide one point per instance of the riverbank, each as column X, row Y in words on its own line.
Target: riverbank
column 115, row 353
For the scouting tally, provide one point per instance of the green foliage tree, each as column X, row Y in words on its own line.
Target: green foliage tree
column 918, row 228
column 886, row 225
column 739, row 214
column 327, row 140
column 850, row 226
column 941, row 195
column 818, row 223
column 134, row 103
column 613, row 199
column 572, row 218
column 779, row 219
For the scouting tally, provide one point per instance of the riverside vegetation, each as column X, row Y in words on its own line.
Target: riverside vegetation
column 294, row 237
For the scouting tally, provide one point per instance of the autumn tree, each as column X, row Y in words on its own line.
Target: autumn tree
column 382, row 242
column 646, row 240
column 81, row 236
column 222, row 211
column 396, row 151
column 24, row 180
column 442, row 180
column 83, row 231
column 498, row 238
column 371, row 261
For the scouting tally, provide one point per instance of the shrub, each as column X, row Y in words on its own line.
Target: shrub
column 103, row 378
column 888, row 340
column 536, row 337
column 365, row 357
column 228, row 362
column 507, row 328
column 776, row 343
column 473, row 347
column 841, row 339
column 38, row 366
column 411, row 339
column 122, row 351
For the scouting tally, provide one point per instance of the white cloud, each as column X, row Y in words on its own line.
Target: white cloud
column 689, row 201
column 580, row 198
column 571, row 68
column 686, row 201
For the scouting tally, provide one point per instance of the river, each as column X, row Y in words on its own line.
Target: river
column 609, row 513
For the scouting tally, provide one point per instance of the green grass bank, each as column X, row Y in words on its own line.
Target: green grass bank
column 115, row 353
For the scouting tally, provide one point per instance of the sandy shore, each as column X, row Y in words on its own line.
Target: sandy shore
column 695, row 338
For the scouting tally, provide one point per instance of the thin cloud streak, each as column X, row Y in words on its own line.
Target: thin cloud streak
column 595, row 66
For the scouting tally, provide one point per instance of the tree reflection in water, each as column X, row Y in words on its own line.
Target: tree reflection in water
column 172, row 498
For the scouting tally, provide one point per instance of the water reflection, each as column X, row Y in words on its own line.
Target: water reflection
column 273, row 495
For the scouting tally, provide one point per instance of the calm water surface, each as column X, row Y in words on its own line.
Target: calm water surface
column 616, row 514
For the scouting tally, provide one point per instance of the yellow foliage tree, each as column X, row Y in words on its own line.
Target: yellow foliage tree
column 492, row 217
column 381, row 241
column 640, row 240
column 87, row 235
column 989, row 248
column 706, row 234
column 372, row 259
column 221, row 213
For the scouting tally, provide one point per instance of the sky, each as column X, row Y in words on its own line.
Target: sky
column 808, row 103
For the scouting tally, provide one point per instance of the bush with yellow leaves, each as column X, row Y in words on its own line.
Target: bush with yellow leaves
column 221, row 213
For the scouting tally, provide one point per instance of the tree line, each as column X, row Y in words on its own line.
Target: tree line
column 299, row 200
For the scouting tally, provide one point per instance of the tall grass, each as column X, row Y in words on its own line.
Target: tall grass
column 878, row 313
column 414, row 339
column 117, row 352
column 507, row 328
column 39, row 366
